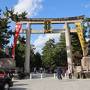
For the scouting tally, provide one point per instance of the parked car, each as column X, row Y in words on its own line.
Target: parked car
column 5, row 80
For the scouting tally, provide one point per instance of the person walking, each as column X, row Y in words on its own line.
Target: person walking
column 69, row 74
column 59, row 73
column 35, row 70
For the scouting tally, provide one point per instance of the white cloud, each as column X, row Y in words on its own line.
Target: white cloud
column 30, row 6
column 42, row 39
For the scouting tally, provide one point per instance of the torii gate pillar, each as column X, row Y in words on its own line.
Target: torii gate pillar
column 69, row 48
column 27, row 54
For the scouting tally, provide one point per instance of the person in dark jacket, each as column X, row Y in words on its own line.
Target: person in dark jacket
column 59, row 73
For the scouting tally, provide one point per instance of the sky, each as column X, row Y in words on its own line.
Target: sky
column 48, row 9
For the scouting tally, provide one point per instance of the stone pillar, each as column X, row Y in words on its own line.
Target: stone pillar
column 68, row 47
column 27, row 53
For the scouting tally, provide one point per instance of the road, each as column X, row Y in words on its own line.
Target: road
column 52, row 84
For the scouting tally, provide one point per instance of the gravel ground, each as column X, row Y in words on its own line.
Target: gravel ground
column 51, row 84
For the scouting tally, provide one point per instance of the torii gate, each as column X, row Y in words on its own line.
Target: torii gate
column 47, row 22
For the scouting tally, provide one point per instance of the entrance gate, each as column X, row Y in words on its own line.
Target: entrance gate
column 47, row 22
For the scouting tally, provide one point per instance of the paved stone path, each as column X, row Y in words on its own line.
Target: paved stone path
column 52, row 84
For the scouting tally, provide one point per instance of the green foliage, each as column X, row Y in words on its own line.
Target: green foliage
column 32, row 58
column 62, row 41
column 38, row 60
column 15, row 17
column 35, row 61
column 20, row 53
column 87, row 19
column 77, row 56
column 60, row 51
column 75, row 43
column 4, row 33
column 76, row 49
column 48, row 53
column 54, row 54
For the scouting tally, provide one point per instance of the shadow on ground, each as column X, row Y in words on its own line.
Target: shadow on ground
column 18, row 89
column 15, row 81
column 20, row 84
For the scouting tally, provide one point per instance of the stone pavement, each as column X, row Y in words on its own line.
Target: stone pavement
column 52, row 84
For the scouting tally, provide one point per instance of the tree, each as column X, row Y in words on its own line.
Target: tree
column 62, row 41
column 76, row 46
column 20, row 53
column 4, row 33
column 38, row 60
column 35, row 59
column 48, row 54
column 20, row 47
column 15, row 17
column 54, row 54
column 76, row 49
column 60, row 52
column 32, row 58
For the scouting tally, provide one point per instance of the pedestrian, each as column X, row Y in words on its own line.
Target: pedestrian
column 35, row 70
column 69, row 74
column 41, row 70
column 59, row 73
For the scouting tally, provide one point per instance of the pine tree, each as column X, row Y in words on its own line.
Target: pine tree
column 15, row 17
column 4, row 33
column 60, row 51
column 76, row 49
column 48, row 54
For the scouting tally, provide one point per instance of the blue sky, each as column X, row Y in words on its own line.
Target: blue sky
column 56, row 8
column 48, row 8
